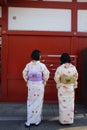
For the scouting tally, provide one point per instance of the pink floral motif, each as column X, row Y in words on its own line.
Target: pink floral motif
column 65, row 121
column 71, row 118
column 65, row 66
column 64, row 107
column 60, row 94
column 65, row 87
column 72, row 110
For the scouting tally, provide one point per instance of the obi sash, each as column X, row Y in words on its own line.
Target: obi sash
column 67, row 79
column 35, row 76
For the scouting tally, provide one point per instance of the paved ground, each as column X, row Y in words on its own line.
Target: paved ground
column 13, row 116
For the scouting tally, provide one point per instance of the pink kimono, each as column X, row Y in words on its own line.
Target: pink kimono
column 66, row 94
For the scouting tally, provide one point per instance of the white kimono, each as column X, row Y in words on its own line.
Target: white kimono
column 66, row 93
column 35, row 90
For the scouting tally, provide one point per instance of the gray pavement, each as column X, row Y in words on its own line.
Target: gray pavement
column 13, row 116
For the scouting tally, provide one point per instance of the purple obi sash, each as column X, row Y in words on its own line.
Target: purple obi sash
column 35, row 76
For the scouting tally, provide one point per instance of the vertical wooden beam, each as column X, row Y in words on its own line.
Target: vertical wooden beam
column 4, row 65
column 4, row 50
column 4, row 18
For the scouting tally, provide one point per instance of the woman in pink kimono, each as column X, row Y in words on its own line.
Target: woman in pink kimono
column 66, row 77
column 35, row 75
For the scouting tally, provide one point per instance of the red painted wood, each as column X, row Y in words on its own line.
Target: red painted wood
column 18, row 45
column 4, row 64
column 4, row 18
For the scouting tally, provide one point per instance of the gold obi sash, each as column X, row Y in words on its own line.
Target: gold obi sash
column 67, row 79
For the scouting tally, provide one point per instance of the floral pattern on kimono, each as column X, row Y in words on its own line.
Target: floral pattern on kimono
column 35, row 91
column 66, row 94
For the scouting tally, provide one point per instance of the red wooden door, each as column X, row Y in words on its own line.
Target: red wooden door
column 19, row 49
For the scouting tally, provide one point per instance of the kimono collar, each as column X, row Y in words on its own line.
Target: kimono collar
column 35, row 62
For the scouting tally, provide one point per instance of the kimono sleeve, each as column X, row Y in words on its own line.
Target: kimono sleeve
column 57, row 75
column 45, row 72
column 25, row 72
column 76, row 76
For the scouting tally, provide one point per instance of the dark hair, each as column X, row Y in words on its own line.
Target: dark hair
column 65, row 58
column 35, row 55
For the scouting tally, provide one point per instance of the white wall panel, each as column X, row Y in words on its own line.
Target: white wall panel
column 59, row 0
column 39, row 19
column 81, row 0
column 82, row 20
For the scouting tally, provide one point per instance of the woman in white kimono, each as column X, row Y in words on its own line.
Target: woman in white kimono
column 66, row 76
column 35, row 75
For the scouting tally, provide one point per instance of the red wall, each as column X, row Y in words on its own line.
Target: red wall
column 16, row 51
column 17, row 47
